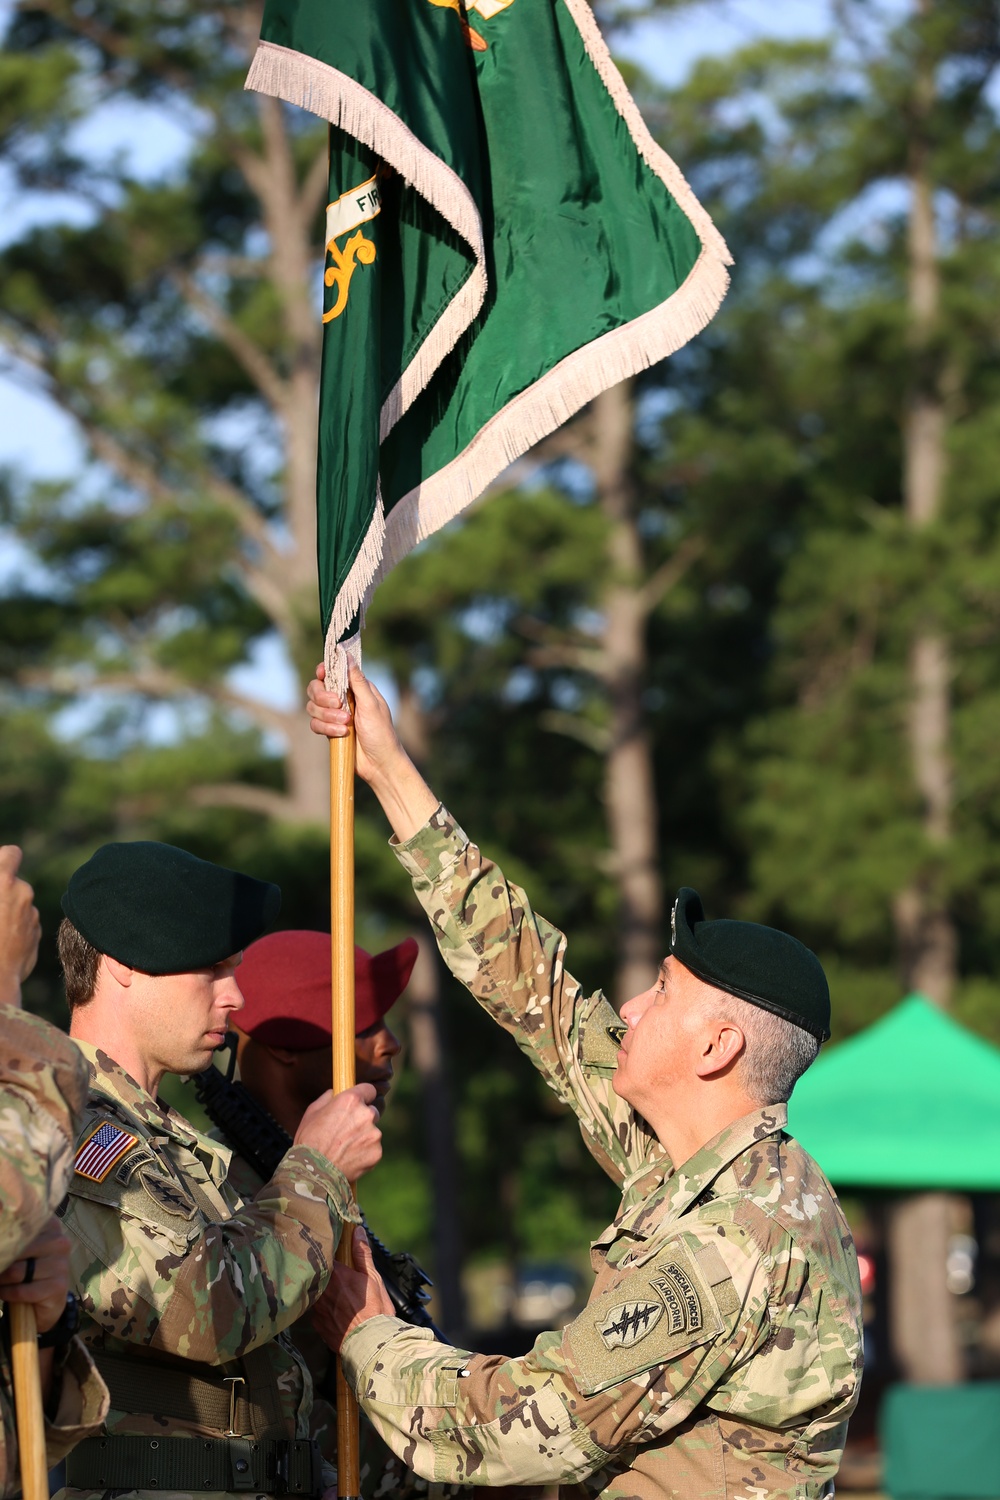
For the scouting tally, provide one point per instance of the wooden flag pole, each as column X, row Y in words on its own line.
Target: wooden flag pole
column 28, row 1401
column 342, row 966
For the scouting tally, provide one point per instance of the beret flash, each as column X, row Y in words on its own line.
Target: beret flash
column 758, row 964
column 285, row 981
column 164, row 911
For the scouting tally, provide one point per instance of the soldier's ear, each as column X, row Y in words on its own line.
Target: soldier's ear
column 723, row 1044
column 120, row 973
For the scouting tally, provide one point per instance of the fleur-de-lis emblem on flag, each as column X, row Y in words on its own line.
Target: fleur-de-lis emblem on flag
column 355, row 207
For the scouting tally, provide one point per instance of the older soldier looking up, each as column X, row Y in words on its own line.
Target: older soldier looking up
column 720, row 1352
column 185, row 1288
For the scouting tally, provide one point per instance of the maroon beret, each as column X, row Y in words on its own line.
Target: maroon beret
column 285, row 980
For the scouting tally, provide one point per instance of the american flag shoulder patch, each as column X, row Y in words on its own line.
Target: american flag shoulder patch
column 103, row 1149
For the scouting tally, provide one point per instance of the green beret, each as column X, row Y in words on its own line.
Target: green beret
column 162, row 910
column 759, row 964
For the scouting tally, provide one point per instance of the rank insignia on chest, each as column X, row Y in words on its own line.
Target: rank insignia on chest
column 631, row 1321
column 102, row 1150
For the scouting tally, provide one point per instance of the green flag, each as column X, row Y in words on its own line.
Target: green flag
column 504, row 240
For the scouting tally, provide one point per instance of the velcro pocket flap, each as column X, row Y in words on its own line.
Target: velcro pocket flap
column 597, row 1049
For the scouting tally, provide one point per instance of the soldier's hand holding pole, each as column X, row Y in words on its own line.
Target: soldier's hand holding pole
column 35, row 1286
column 382, row 762
column 352, row 1297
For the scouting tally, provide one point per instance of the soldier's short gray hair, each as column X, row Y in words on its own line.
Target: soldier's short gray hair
column 777, row 1051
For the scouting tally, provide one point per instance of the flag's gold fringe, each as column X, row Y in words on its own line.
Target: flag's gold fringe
column 549, row 402
column 325, row 91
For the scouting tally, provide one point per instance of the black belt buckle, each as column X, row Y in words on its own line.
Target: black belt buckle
column 277, row 1468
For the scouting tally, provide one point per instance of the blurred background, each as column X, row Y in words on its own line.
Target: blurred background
column 737, row 626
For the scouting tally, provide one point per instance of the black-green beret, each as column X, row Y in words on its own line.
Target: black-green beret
column 164, row 911
column 756, row 963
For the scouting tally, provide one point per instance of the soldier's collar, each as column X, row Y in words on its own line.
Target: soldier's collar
column 692, row 1177
column 110, row 1081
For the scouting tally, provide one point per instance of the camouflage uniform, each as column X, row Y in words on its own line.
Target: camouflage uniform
column 43, row 1085
column 180, row 1281
column 719, row 1354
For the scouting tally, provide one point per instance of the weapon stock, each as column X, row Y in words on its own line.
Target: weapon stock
column 259, row 1138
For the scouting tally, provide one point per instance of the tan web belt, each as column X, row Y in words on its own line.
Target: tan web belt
column 233, row 1465
column 202, row 1395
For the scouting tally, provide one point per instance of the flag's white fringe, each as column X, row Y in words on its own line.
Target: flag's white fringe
column 325, row 91
column 338, row 657
column 361, row 578
column 550, row 401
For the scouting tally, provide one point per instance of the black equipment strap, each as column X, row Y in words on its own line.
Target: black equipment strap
column 224, row 1465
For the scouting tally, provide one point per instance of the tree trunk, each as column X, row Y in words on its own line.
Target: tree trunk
column 922, row 1310
column 925, row 928
column 428, row 1052
column 629, row 783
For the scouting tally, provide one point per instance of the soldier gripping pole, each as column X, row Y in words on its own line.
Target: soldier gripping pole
column 342, row 968
column 28, row 1401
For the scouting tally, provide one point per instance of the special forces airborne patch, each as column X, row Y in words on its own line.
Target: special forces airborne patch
column 651, row 1316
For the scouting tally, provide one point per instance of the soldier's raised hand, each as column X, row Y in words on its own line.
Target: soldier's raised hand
column 20, row 926
column 344, row 1128
column 382, row 761
column 378, row 747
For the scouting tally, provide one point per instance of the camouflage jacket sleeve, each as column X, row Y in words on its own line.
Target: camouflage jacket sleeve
column 43, row 1090
column 512, row 961
column 81, row 1407
column 153, row 1268
column 669, row 1335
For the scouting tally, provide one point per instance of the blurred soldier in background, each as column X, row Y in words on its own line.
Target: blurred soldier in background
column 43, row 1088
column 719, row 1355
column 283, row 1039
column 284, row 1029
column 186, row 1290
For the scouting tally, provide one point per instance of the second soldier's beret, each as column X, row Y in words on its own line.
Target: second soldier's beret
column 756, row 963
column 285, row 981
column 164, row 911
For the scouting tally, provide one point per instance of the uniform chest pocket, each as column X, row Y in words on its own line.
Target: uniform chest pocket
column 646, row 1318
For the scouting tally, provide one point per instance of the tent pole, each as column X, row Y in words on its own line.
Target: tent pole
column 342, row 753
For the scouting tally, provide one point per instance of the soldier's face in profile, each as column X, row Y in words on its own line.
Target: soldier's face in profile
column 184, row 1017
column 658, row 1051
column 374, row 1050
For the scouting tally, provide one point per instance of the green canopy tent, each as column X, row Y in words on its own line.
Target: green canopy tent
column 911, row 1103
